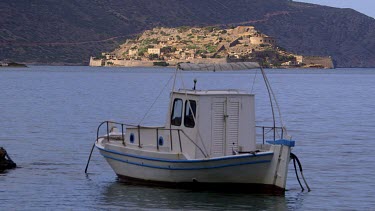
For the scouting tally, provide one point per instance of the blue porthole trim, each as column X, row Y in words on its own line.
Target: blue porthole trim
column 160, row 141
column 131, row 138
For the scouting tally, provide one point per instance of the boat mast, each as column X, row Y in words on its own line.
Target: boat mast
column 271, row 101
column 272, row 98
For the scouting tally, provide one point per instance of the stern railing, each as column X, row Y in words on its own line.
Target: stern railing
column 275, row 132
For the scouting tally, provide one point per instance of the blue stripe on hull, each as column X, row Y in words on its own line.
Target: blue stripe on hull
column 184, row 168
column 183, row 161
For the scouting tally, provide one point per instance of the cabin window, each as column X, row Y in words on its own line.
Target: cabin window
column 176, row 118
column 190, row 111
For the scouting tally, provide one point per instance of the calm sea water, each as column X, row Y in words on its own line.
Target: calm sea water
column 49, row 116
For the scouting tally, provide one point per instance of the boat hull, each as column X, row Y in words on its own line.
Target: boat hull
column 200, row 186
column 245, row 172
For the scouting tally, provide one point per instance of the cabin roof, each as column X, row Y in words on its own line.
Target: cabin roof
column 212, row 92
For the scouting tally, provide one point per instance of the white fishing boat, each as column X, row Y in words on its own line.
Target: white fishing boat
column 207, row 141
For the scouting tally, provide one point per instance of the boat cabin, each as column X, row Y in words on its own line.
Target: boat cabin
column 202, row 124
column 221, row 122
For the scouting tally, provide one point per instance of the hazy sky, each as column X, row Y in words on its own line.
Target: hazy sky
column 364, row 6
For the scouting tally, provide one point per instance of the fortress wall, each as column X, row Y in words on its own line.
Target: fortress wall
column 94, row 62
column 199, row 60
column 326, row 62
column 137, row 63
column 262, row 40
column 129, row 63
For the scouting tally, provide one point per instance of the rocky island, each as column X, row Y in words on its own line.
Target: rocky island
column 170, row 46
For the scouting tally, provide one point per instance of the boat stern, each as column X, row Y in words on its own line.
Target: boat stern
column 278, row 170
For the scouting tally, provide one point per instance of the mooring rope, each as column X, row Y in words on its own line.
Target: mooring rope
column 295, row 158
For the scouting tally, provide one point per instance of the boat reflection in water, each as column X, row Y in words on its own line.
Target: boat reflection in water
column 123, row 195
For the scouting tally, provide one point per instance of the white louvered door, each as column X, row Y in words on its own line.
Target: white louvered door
column 218, row 127
column 232, row 124
column 225, row 122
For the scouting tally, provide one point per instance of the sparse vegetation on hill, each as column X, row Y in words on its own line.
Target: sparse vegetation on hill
column 242, row 43
column 204, row 45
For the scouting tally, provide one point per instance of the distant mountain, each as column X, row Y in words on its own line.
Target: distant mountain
column 69, row 31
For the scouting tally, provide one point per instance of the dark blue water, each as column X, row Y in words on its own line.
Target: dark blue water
column 49, row 115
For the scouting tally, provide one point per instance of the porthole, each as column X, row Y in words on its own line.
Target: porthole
column 161, row 141
column 131, row 138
